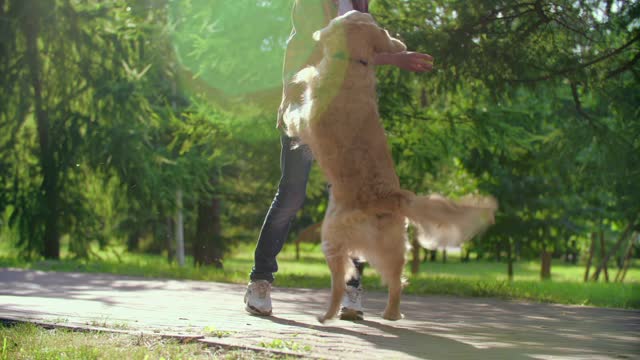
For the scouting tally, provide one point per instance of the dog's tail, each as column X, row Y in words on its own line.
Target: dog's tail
column 443, row 222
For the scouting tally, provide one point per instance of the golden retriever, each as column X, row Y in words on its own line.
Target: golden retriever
column 338, row 119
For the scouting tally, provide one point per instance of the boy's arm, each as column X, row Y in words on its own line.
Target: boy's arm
column 307, row 17
column 406, row 60
column 291, row 93
column 344, row 6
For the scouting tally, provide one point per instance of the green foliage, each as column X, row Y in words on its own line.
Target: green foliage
column 231, row 52
column 76, row 77
column 528, row 96
column 108, row 109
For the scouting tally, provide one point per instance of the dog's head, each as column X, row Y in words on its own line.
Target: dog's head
column 357, row 34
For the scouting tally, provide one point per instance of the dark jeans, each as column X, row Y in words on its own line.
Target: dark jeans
column 295, row 165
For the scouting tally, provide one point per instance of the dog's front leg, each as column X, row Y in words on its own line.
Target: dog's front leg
column 337, row 267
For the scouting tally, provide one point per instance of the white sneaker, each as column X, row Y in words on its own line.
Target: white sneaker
column 352, row 304
column 257, row 299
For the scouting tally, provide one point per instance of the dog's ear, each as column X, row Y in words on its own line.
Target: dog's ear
column 380, row 39
column 385, row 43
column 317, row 36
column 324, row 33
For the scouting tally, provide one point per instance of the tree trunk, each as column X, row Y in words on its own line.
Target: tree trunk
column 133, row 240
column 574, row 252
column 603, row 263
column 509, row 261
column 179, row 229
column 625, row 264
column 169, row 238
column 311, row 234
column 603, row 255
column 415, row 251
column 466, row 257
column 545, row 268
column 207, row 247
column 444, row 255
column 47, row 160
column 590, row 258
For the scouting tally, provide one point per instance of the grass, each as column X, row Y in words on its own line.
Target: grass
column 289, row 345
column 27, row 341
column 212, row 331
column 474, row 278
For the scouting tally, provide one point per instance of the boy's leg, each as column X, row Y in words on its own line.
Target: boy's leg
column 356, row 278
column 295, row 165
column 352, row 300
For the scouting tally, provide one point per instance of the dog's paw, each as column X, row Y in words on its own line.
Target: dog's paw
column 326, row 317
column 322, row 319
column 392, row 315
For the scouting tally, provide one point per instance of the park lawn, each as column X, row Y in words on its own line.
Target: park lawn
column 470, row 279
column 28, row 341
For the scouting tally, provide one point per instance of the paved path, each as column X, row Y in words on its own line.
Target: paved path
column 436, row 327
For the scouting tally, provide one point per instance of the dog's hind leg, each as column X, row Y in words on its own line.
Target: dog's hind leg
column 392, row 275
column 389, row 260
column 394, row 282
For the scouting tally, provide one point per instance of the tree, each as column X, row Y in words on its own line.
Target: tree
column 44, row 54
column 525, row 88
column 78, row 66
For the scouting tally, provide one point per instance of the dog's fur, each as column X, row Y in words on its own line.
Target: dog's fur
column 338, row 119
